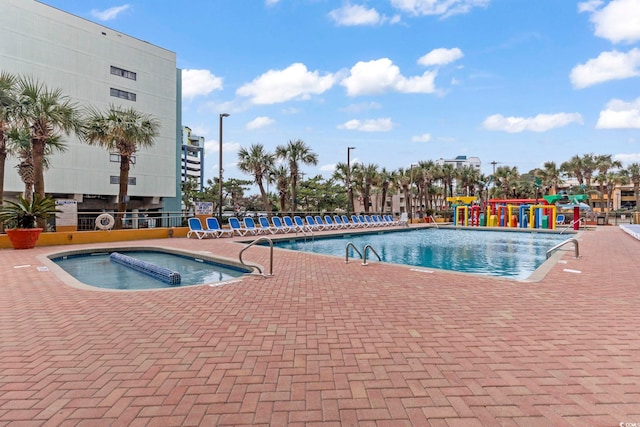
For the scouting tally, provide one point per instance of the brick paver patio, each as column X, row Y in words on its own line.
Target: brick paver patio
column 327, row 343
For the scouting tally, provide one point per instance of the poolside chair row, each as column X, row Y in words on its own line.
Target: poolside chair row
column 286, row 224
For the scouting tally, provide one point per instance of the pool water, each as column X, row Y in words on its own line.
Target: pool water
column 495, row 253
column 96, row 269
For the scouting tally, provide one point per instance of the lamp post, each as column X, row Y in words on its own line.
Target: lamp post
column 411, row 194
column 220, row 172
column 349, row 190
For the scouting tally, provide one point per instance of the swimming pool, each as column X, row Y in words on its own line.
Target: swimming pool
column 95, row 268
column 495, row 253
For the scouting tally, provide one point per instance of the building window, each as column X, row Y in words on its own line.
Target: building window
column 115, row 158
column 116, row 180
column 123, row 73
column 123, row 94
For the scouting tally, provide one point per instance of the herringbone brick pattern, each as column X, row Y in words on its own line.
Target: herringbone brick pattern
column 327, row 343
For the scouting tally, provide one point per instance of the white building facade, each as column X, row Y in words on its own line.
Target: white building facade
column 95, row 65
column 192, row 159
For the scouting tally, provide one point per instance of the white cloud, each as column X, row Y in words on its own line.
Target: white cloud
column 294, row 82
column 199, row 83
column 351, row 15
column 539, row 123
column 589, row 6
column 445, row 8
column 627, row 158
column 441, row 56
column 425, row 137
column 109, row 14
column 271, row 2
column 381, row 75
column 618, row 21
column 361, row 107
column 328, row 168
column 211, row 146
column 620, row 115
column 259, row 122
column 371, row 125
column 607, row 66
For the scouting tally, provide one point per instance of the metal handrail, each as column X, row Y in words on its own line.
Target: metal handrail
column 364, row 258
column 346, row 251
column 433, row 220
column 572, row 223
column 559, row 245
column 259, row 239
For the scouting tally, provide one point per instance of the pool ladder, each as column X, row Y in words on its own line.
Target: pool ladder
column 259, row 239
column 365, row 250
column 559, row 245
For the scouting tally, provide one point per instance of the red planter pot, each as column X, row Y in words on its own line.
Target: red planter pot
column 24, row 238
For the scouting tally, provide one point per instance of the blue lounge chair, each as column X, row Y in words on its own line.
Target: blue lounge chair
column 265, row 226
column 390, row 220
column 321, row 223
column 300, row 225
column 369, row 221
column 350, row 224
column 250, row 226
column 288, row 222
column 214, row 226
column 364, row 222
column 237, row 227
column 338, row 221
column 279, row 226
column 331, row 224
column 195, row 228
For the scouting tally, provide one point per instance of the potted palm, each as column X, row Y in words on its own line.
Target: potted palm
column 21, row 218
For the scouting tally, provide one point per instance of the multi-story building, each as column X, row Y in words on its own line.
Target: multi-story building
column 461, row 161
column 95, row 65
column 192, row 158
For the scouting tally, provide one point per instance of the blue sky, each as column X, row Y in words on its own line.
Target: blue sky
column 518, row 82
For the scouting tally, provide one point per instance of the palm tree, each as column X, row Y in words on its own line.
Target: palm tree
column 20, row 146
column 447, row 174
column 340, row 173
column 8, row 100
column 368, row 174
column 402, row 178
column 605, row 162
column 573, row 168
column 257, row 162
column 469, row 176
column 384, row 179
column 506, row 178
column 48, row 114
column 633, row 172
column 295, row 152
column 121, row 130
column 280, row 175
column 550, row 176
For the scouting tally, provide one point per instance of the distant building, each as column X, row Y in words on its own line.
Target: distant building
column 95, row 65
column 192, row 158
column 461, row 161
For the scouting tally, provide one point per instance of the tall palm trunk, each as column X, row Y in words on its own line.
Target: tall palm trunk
column 123, row 185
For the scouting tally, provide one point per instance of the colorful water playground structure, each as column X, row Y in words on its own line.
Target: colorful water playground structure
column 514, row 213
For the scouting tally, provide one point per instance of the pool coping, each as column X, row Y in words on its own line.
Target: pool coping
column 68, row 279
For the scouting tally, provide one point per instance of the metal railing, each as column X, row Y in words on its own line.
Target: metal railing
column 561, row 244
column 580, row 221
column 433, row 220
column 346, row 251
column 369, row 248
column 259, row 239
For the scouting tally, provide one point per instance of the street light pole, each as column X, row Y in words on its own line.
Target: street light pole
column 349, row 190
column 220, row 172
column 411, row 193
